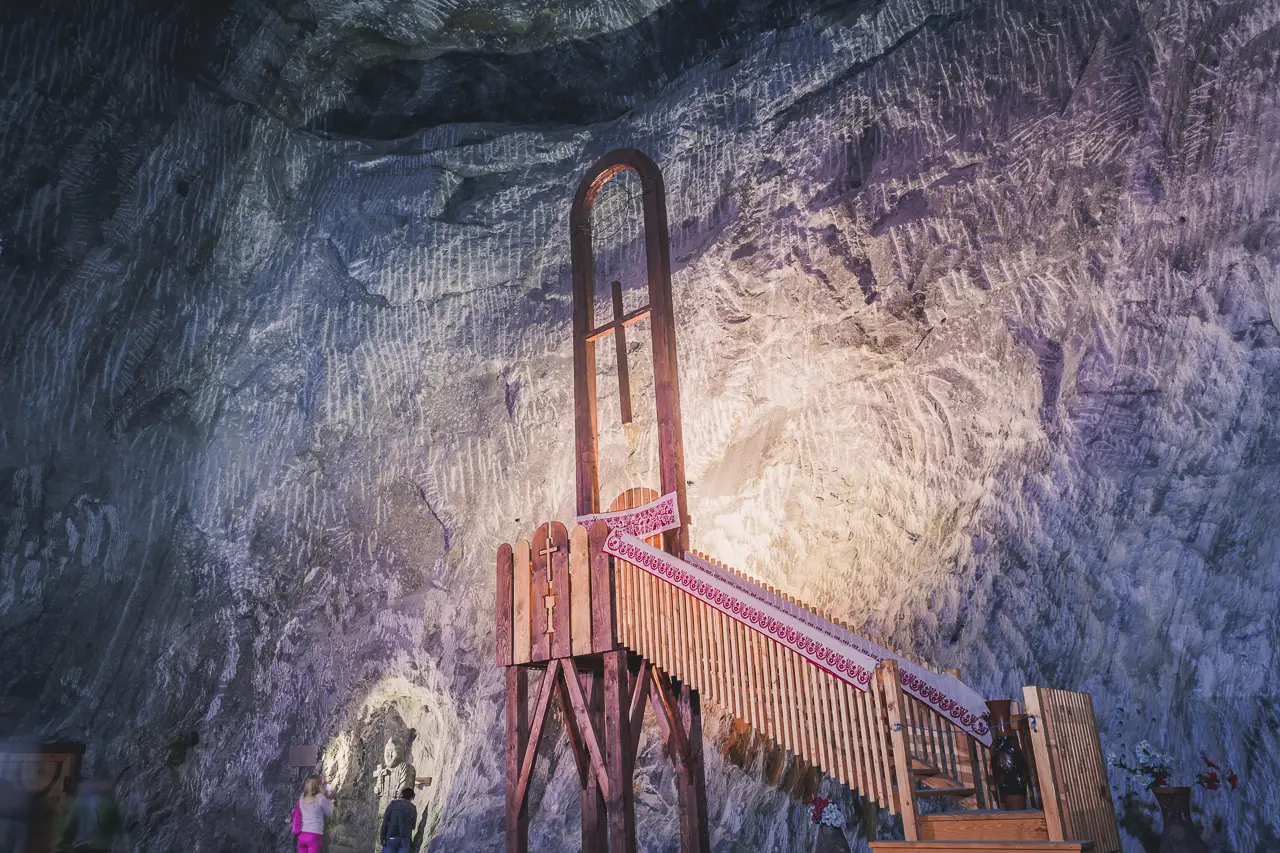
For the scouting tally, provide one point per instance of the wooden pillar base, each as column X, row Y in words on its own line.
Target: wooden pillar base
column 694, row 833
column 595, row 823
column 620, row 803
column 517, row 740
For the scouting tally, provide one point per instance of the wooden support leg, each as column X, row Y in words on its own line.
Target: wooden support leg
column 620, row 803
column 679, row 715
column 695, row 837
column 517, row 740
column 595, row 826
column 869, row 818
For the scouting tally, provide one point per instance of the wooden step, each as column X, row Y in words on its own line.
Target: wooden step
column 919, row 768
column 1026, row 825
column 982, row 846
column 944, row 792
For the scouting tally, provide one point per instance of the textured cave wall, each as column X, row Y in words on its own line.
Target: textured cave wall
column 978, row 344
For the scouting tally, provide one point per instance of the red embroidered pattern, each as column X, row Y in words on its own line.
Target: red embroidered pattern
column 654, row 517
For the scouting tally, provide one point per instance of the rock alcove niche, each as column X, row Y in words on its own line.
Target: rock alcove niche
column 976, row 310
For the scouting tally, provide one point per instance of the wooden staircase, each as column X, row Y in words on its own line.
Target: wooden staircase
column 984, row 846
column 969, row 826
column 1068, row 785
column 646, row 641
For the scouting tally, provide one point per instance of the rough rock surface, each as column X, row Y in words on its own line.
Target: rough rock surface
column 978, row 342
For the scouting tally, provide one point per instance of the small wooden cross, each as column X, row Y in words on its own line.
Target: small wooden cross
column 618, row 329
column 549, row 600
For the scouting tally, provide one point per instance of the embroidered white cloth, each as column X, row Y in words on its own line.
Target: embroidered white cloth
column 643, row 521
column 848, row 656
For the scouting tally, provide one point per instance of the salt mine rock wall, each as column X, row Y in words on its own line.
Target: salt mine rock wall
column 977, row 324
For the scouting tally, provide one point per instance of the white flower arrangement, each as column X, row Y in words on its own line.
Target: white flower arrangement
column 824, row 812
column 832, row 816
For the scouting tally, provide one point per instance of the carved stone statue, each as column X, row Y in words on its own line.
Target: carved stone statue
column 389, row 780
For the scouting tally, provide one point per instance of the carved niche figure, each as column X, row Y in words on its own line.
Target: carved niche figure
column 389, row 780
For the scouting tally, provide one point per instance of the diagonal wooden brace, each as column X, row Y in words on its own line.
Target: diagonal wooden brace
column 639, row 695
column 545, row 690
column 668, row 715
column 586, row 730
column 580, row 756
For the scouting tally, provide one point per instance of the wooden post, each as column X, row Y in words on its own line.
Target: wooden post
column 892, row 687
column 603, row 590
column 1050, row 798
column 693, row 792
column 595, row 823
column 620, row 803
column 502, row 625
column 517, row 740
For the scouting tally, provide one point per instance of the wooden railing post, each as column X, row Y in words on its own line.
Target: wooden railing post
column 1049, row 793
column 891, row 687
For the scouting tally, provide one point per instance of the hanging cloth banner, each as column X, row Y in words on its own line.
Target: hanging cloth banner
column 643, row 521
column 846, row 655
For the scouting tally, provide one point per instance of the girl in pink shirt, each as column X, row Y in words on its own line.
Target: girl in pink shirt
column 315, row 807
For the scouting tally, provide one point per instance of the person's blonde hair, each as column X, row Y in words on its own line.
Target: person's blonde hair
column 311, row 787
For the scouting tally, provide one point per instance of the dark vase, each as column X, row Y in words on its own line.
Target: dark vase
column 831, row 840
column 1179, row 834
column 1008, row 764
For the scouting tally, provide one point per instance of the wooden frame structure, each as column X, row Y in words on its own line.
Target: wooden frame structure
column 607, row 638
column 569, row 632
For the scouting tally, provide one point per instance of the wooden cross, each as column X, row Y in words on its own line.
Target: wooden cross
column 618, row 329
column 549, row 600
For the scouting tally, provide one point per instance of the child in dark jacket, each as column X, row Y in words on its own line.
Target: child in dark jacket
column 398, row 822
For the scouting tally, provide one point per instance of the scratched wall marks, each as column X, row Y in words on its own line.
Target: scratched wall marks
column 977, row 332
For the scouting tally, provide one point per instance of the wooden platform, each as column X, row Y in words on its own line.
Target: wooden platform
column 983, row 846
column 983, row 826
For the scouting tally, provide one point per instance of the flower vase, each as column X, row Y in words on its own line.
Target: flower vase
column 1008, row 764
column 1179, row 835
column 831, row 840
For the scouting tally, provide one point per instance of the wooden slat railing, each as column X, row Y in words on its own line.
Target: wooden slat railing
column 846, row 733
column 1071, row 769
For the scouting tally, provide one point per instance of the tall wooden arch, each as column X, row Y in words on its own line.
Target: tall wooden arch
column 573, row 647
column 677, row 706
column 662, row 318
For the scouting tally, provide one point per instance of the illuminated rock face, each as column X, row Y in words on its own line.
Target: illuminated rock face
column 978, row 348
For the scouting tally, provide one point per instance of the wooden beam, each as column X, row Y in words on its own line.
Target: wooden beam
column 517, row 824
column 628, row 319
column 693, row 797
column 619, row 764
column 639, row 694
column 595, row 822
column 545, row 692
column 502, row 630
column 586, row 729
column 892, row 687
column 572, row 727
